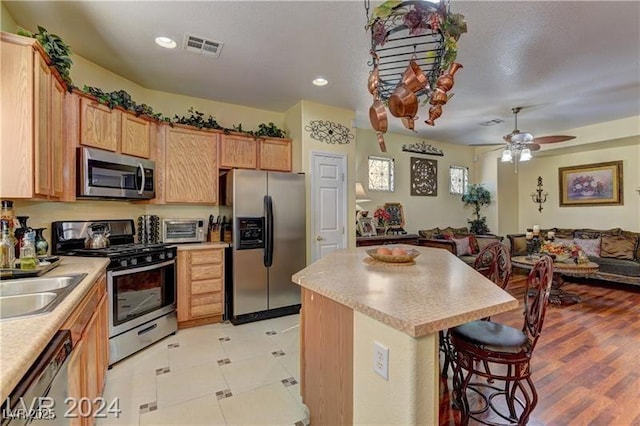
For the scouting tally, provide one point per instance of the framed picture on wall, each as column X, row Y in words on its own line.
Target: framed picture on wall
column 424, row 177
column 365, row 227
column 598, row 184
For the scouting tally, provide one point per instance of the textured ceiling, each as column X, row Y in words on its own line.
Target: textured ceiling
column 571, row 64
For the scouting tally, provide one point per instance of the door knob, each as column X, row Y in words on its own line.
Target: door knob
column 319, row 238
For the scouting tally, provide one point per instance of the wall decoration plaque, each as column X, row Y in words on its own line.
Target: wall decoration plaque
column 424, row 177
column 422, row 148
column 329, row 132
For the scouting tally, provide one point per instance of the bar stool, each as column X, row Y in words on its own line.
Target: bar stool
column 494, row 262
column 508, row 351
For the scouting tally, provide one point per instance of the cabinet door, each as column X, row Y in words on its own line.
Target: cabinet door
column 57, row 139
column 183, row 298
column 275, row 154
column 238, row 152
column 191, row 167
column 42, row 96
column 76, row 382
column 135, row 136
column 98, row 125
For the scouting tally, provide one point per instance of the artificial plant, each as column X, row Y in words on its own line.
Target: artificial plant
column 58, row 51
column 477, row 196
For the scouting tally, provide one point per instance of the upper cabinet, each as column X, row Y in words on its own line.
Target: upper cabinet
column 247, row 152
column 135, row 136
column 190, row 166
column 274, row 154
column 32, row 148
column 238, row 152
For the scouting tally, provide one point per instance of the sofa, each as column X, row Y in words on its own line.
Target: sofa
column 458, row 241
column 616, row 251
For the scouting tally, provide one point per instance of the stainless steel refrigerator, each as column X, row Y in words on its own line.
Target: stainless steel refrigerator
column 268, row 244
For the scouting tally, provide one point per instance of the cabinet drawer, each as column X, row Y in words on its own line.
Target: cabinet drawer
column 206, row 256
column 201, row 272
column 206, row 304
column 206, row 286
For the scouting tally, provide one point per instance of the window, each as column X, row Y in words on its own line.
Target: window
column 381, row 174
column 458, row 179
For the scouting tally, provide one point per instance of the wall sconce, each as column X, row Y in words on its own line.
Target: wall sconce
column 538, row 197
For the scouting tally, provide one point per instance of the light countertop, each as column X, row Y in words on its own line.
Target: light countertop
column 23, row 339
column 440, row 291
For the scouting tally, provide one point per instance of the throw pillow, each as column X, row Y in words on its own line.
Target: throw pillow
column 633, row 234
column 518, row 245
column 564, row 233
column 473, row 242
column 565, row 241
column 463, row 247
column 618, row 246
column 429, row 233
column 590, row 246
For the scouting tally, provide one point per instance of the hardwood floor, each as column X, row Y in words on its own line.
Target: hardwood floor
column 586, row 365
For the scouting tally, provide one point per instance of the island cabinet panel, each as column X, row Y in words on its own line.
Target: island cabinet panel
column 327, row 364
column 32, row 148
column 190, row 166
column 200, row 286
column 99, row 125
column 89, row 360
column 135, row 136
column 274, row 154
column 238, row 152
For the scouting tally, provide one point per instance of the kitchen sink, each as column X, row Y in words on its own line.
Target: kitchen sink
column 34, row 296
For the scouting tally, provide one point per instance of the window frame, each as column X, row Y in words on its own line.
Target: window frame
column 390, row 176
column 465, row 179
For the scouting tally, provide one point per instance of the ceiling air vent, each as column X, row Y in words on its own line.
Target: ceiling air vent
column 202, row 46
column 492, row 122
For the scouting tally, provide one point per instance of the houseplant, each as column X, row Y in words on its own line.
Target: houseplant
column 477, row 196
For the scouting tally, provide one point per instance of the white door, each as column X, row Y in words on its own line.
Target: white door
column 328, row 203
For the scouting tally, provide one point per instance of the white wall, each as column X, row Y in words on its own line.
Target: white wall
column 421, row 212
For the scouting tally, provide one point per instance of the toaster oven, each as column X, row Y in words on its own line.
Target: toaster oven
column 183, row 230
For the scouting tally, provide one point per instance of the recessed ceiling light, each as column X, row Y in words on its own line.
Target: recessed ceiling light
column 320, row 81
column 166, row 42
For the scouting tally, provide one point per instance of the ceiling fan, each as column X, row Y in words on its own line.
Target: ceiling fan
column 524, row 138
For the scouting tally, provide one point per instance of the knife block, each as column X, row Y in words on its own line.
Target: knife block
column 214, row 236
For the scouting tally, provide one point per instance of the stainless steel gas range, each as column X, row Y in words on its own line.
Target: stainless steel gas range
column 141, row 281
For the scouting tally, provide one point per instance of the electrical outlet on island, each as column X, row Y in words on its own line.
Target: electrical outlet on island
column 381, row 360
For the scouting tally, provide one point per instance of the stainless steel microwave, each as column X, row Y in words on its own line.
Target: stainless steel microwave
column 103, row 174
column 183, row 230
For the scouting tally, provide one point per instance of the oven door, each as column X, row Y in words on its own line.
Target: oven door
column 139, row 295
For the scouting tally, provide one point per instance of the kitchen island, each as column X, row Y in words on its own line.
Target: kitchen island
column 350, row 304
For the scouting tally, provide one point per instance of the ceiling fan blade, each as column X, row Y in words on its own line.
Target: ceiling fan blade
column 487, row 144
column 553, row 139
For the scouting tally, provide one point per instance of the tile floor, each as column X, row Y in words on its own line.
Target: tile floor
column 217, row 374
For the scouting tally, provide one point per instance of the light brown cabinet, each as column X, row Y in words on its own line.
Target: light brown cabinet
column 89, row 360
column 247, row 152
column 32, row 147
column 200, row 286
column 99, row 125
column 274, row 154
column 135, row 136
column 190, row 166
column 238, row 152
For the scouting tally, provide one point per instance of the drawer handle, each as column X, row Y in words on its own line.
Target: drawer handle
column 148, row 329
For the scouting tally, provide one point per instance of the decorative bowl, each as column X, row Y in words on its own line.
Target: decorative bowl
column 411, row 254
column 562, row 257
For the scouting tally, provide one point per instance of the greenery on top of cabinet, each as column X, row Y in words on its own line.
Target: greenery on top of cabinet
column 58, row 51
column 123, row 99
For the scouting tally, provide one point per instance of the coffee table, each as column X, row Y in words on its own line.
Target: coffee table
column 559, row 296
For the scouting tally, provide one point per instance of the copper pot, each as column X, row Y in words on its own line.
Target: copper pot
column 381, row 144
column 438, row 97
column 403, row 102
column 434, row 112
column 378, row 116
column 408, row 122
column 445, row 81
column 374, row 79
column 414, row 78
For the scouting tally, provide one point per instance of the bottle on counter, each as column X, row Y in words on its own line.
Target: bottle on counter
column 7, row 251
column 28, row 251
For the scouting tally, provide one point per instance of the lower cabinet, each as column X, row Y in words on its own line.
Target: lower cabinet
column 200, row 286
column 89, row 359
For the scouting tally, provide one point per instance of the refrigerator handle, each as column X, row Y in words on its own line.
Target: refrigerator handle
column 268, row 250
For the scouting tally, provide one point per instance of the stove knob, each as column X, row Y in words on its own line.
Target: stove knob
column 148, row 259
column 161, row 256
column 123, row 262
column 134, row 261
column 169, row 255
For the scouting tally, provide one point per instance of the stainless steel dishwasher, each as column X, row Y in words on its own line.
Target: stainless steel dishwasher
column 39, row 398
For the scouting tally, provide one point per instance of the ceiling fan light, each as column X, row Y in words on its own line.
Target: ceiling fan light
column 506, row 155
column 521, row 137
column 525, row 155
